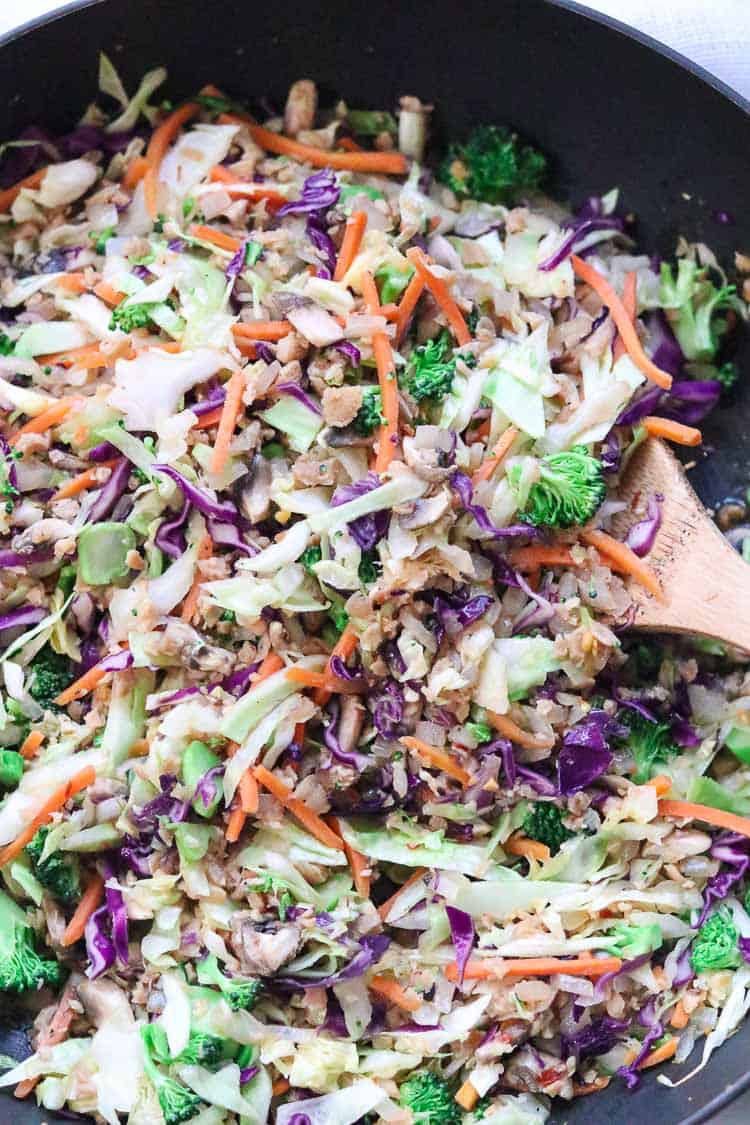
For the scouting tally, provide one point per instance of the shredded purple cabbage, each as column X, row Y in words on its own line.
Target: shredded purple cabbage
column 596, row 1038
column 320, row 192
column 371, row 950
column 24, row 615
column 294, row 390
column 388, row 710
column 579, row 238
column 350, row 351
column 655, row 1030
column 100, row 947
column 115, row 905
column 463, row 937
column 207, row 788
column 461, row 484
column 732, row 851
column 110, row 492
column 223, row 510
column 366, row 531
column 642, row 535
column 170, row 535
column 585, row 753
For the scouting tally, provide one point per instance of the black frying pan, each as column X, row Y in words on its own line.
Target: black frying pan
column 609, row 107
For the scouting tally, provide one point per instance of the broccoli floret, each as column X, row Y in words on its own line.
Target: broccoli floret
column 21, row 967
column 240, row 993
column 429, row 1098
column 480, row 1109
column 715, row 947
column 728, row 374
column 59, row 873
column 176, row 1101
column 370, row 414
column 11, row 768
column 310, row 557
column 50, row 674
column 493, row 165
column 650, row 744
column 128, row 317
column 6, row 344
column 569, row 490
column 692, row 302
column 339, row 617
column 100, row 238
column 633, row 941
column 433, row 369
column 481, row 731
column 544, row 822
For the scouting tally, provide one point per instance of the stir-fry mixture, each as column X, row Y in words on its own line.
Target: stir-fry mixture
column 335, row 787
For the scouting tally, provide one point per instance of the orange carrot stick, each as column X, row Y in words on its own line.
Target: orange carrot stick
column 679, row 1017
column 31, row 743
column 190, row 604
column 306, row 678
column 688, row 810
column 442, row 295
column 90, row 901
column 217, row 237
column 209, row 419
column 245, row 189
column 672, row 431
column 437, row 758
column 107, row 293
column 271, row 663
column 582, row 1089
column 408, row 303
column 348, row 144
column 229, row 417
column 661, row 1054
column 505, row 726
column 307, row 818
column 385, row 163
column 467, row 1096
column 528, row 849
column 662, row 784
column 236, row 823
column 73, row 282
column 47, row 420
column 359, row 864
column 82, row 686
column 388, row 432
column 501, row 450
column 385, row 908
column 392, row 991
column 268, row 330
column 248, row 793
column 629, row 298
column 355, row 229
column 160, row 140
column 84, row 480
column 622, row 559
column 53, row 804
column 619, row 314
column 531, row 558
column 135, row 172
column 9, row 196
column 535, row 967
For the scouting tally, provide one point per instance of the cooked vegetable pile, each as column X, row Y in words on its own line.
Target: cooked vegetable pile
column 335, row 788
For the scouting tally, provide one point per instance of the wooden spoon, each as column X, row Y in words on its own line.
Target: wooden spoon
column 706, row 583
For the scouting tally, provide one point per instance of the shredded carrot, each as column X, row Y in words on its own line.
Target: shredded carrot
column 82, row 686
column 159, row 142
column 629, row 303
column 307, row 818
column 506, row 727
column 209, row 419
column 388, row 432
column 442, row 295
column 348, row 144
column 392, row 991
column 190, row 604
column 359, row 864
column 688, row 810
column 216, row 237
column 236, row 823
column 299, row 734
column 55, row 1033
column 73, row 282
column 535, row 967
column 230, row 413
column 408, row 303
column 531, row 558
column 90, row 901
column 47, row 420
column 268, row 330
column 389, row 311
column 135, row 172
column 248, row 793
column 438, row 758
column 84, row 480
column 344, row 648
column 622, row 559
column 529, row 849
column 88, row 357
column 245, row 189
column 53, row 804
column 581, row 1089
column 107, row 293
column 385, row 907
column 680, row 1017
column 501, row 450
column 31, row 743
column 355, row 229
column 662, row 784
column 385, row 163
column 660, row 1054
column 672, row 431
column 271, row 663
column 9, row 196
column 467, row 1096
column 306, row 678
column 625, row 327
column 279, row 1087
